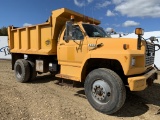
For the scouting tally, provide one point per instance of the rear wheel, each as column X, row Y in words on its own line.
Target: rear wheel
column 33, row 72
column 105, row 90
column 22, row 70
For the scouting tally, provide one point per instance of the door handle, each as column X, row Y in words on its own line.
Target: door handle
column 62, row 44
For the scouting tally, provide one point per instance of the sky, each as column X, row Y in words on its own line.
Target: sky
column 121, row 15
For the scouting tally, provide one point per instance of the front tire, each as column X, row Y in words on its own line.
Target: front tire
column 105, row 90
column 22, row 70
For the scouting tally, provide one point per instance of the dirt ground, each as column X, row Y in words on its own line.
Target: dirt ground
column 45, row 99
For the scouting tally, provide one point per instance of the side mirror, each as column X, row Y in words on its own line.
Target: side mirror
column 69, row 30
column 152, row 39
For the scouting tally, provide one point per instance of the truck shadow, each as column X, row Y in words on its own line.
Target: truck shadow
column 137, row 103
column 42, row 79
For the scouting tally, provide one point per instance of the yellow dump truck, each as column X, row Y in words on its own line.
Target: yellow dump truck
column 73, row 46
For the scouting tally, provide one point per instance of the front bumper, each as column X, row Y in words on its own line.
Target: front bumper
column 139, row 83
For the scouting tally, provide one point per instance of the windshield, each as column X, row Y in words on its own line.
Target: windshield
column 94, row 30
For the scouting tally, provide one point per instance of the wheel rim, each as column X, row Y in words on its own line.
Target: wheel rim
column 19, row 71
column 101, row 91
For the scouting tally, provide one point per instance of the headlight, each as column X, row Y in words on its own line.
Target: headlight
column 133, row 61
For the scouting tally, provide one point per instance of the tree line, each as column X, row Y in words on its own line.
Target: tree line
column 3, row 31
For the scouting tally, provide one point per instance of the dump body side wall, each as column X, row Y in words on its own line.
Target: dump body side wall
column 32, row 40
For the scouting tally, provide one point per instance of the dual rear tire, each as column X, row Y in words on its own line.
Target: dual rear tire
column 24, row 70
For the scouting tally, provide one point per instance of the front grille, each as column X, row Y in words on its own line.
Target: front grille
column 150, row 54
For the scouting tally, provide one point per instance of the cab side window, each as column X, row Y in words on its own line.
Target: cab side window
column 76, row 34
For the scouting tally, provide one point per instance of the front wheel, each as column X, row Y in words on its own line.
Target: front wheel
column 105, row 90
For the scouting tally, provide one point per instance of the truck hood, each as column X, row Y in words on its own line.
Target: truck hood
column 118, row 43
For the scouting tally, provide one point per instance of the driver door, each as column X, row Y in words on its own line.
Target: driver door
column 72, row 52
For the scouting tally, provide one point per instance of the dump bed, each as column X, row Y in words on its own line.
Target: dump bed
column 42, row 38
column 32, row 40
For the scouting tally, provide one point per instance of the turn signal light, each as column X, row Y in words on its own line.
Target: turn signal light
column 139, row 31
column 72, row 17
column 125, row 46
